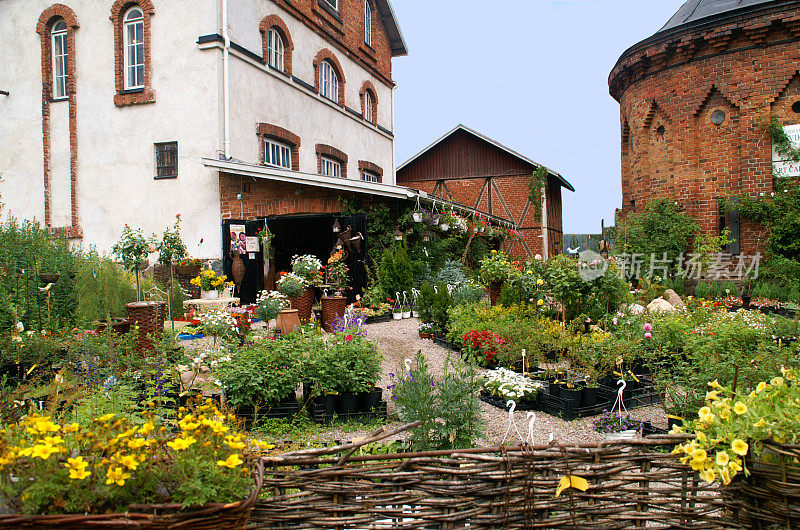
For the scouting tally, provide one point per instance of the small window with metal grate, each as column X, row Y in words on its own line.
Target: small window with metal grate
column 166, row 160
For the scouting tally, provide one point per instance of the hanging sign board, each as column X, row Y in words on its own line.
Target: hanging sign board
column 252, row 243
column 781, row 166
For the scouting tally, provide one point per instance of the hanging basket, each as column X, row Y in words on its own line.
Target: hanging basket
column 212, row 516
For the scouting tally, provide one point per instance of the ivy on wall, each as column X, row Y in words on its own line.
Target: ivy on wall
column 783, row 144
column 536, row 185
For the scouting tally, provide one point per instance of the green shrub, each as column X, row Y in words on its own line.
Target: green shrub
column 395, row 272
column 451, row 273
column 260, row 374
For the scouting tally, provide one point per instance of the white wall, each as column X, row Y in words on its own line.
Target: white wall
column 115, row 144
column 281, row 102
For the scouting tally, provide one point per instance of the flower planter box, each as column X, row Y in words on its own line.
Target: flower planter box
column 320, row 414
column 501, row 403
column 566, row 409
column 386, row 317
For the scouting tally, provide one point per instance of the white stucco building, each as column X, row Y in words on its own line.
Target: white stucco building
column 133, row 111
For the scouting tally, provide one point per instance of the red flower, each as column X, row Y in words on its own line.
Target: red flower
column 348, row 338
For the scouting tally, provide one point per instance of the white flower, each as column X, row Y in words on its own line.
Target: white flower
column 20, row 327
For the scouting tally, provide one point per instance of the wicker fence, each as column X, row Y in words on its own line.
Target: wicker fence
column 630, row 485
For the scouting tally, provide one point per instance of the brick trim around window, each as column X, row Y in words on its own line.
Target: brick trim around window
column 274, row 21
column 275, row 132
column 331, row 152
column 326, row 55
column 43, row 28
column 375, row 169
column 124, row 97
column 369, row 87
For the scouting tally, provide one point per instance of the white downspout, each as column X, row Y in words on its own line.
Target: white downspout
column 226, row 80
column 394, row 161
column 545, row 234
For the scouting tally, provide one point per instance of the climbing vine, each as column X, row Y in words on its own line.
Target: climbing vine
column 535, row 189
column 783, row 144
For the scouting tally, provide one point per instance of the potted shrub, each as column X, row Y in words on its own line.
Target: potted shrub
column 132, row 249
column 270, row 303
column 333, row 307
column 495, row 271
column 406, row 310
column 103, row 472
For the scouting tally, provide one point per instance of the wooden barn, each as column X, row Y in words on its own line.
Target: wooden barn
column 466, row 167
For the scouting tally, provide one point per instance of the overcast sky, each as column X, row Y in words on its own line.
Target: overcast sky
column 532, row 75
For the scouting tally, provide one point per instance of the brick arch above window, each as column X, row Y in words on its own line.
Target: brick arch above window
column 369, row 87
column 331, row 152
column 275, row 132
column 274, row 21
column 56, row 11
column 326, row 55
column 138, row 96
column 370, row 167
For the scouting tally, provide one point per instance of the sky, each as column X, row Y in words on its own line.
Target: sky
column 530, row 74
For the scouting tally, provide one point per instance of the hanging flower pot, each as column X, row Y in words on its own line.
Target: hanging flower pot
column 417, row 216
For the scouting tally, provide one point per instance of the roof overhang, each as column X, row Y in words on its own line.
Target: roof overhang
column 561, row 180
column 396, row 41
column 235, row 167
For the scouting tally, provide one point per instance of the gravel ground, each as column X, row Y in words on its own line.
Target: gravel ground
column 399, row 340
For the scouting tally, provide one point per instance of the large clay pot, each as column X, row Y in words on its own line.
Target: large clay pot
column 287, row 321
column 237, row 270
column 303, row 304
column 494, row 292
column 333, row 307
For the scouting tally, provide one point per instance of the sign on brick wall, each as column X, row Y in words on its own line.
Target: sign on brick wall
column 781, row 166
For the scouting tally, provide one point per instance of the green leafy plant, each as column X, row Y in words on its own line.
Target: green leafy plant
column 292, row 285
column 536, row 185
column 496, row 267
column 395, row 273
column 171, row 248
column 270, row 303
column 309, row 268
column 260, row 374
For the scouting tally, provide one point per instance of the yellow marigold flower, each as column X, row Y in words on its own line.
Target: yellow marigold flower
column 26, row 451
column 761, row 386
column 104, row 418
column 127, row 433
column 739, row 447
column 231, row 462
column 179, row 444
column 43, row 451
column 53, row 440
column 539, row 281
column 219, row 428
column 129, row 461
column 540, row 302
column 117, row 475
column 723, row 458
column 136, row 443
column 740, row 408
column 43, row 426
column 264, row 446
column 72, row 427
column 233, row 443
column 147, row 428
column 189, row 425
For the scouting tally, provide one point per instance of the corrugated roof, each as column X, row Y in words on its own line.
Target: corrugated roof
column 466, row 129
column 694, row 10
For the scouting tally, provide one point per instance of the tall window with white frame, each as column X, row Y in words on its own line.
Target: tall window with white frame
column 328, row 81
column 275, row 49
column 59, row 50
column 331, row 167
column 369, row 107
column 277, row 154
column 133, row 30
column 367, row 23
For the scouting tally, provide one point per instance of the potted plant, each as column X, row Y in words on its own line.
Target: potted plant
column 270, row 303
column 397, row 308
column 495, row 270
column 508, row 385
column 615, row 427
column 406, row 310
column 132, row 249
column 209, row 283
column 100, row 472
column 310, row 269
column 333, row 307
column 425, row 330
column 217, row 323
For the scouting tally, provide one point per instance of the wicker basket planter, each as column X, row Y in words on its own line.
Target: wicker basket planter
column 149, row 316
column 333, row 307
column 770, row 496
column 303, row 304
column 214, row 516
column 494, row 292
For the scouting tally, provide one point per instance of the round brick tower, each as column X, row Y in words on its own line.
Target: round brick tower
column 694, row 101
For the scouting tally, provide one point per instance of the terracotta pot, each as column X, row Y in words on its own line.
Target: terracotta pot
column 333, row 307
column 237, row 269
column 287, row 321
column 494, row 292
column 303, row 304
column 425, row 335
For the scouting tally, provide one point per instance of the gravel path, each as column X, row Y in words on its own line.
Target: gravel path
column 399, row 340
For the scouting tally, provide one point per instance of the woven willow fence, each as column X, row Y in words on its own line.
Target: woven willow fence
column 630, row 485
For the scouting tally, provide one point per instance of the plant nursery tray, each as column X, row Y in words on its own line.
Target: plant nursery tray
column 317, row 411
column 501, row 404
column 561, row 408
column 632, row 399
column 285, row 409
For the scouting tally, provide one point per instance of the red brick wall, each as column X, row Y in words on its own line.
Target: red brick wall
column 346, row 32
column 669, row 86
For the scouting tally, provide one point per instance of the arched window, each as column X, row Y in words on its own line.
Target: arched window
column 367, row 23
column 369, row 107
column 134, row 48
column 59, row 47
column 328, row 81
column 275, row 49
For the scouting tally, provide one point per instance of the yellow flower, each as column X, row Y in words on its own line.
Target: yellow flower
column 725, row 413
column 73, row 427
column 53, row 440
column 690, row 449
column 725, row 475
column 494, row 252
column 219, row 428
column 740, row 408
column 715, row 384
column 43, row 451
column 264, row 446
column 705, row 411
column 760, row 423
column 739, row 447
column 540, row 302
column 708, row 475
column 43, row 426
column 233, row 443
column 677, row 429
column 231, row 462
column 700, row 455
column 136, row 443
column 77, row 468
column 723, row 458
column 127, row 433
column 761, row 386
column 117, row 475
column 104, row 418
column 712, row 396
column 539, row 281
column 129, row 461
column 776, row 381
column 735, row 465
column 179, row 444
column 147, row 428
